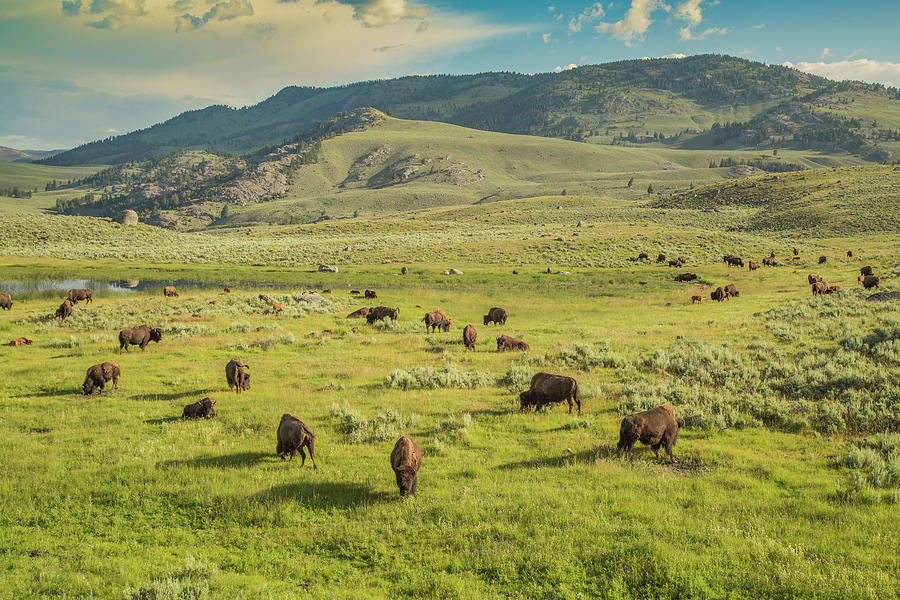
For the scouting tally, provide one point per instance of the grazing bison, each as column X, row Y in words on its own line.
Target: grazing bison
column 718, row 294
column 406, row 458
column 819, row 287
column 675, row 263
column 382, row 312
column 849, row 253
column 76, row 295
column 643, row 256
column 98, row 375
column 867, row 270
column 371, row 294
column 735, row 261
column 661, row 258
column 237, row 378
column 769, row 261
column 731, row 290
column 813, row 278
column 294, row 435
column 226, row 290
column 823, row 260
column 355, row 292
column 170, row 292
column 265, row 298
column 437, row 319
column 138, row 336
column 201, row 409
column 6, row 301
column 495, row 315
column 506, row 343
column 870, row 281
column 65, row 310
column 469, row 336
column 548, row 389
column 685, row 277
column 753, row 265
column 696, row 299
column 655, row 427
column 404, row 271
column 359, row 313
column 277, row 308
column 22, row 341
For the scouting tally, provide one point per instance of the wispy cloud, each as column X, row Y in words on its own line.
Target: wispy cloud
column 826, row 52
column 262, row 31
column 856, row 52
column 635, row 23
column 546, row 38
column 691, row 12
column 745, row 52
column 224, row 10
column 109, row 14
column 760, row 26
column 594, row 11
column 686, row 35
column 71, row 8
column 861, row 69
column 374, row 13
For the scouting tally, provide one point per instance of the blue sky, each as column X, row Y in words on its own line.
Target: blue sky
column 76, row 70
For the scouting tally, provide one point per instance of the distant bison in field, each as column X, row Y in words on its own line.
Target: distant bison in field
column 277, row 308
column 675, row 263
column 76, row 295
column 643, row 256
column 495, row 315
column 731, row 290
column 769, row 261
column 655, row 427
column 696, row 299
column 98, row 375
column 437, row 319
column 238, row 379
column 6, row 301
column 226, row 290
column 265, row 298
column 138, row 336
column 406, row 459
column 661, row 258
column 470, row 335
column 355, row 292
column 813, row 278
column 371, row 294
column 506, row 343
column 849, row 253
column 718, row 294
column 22, row 341
column 870, row 281
column 823, row 260
column 201, row 409
column 685, row 277
column 867, row 270
column 359, row 313
column 819, row 287
column 734, row 261
column 293, row 436
column 382, row 312
column 170, row 292
column 404, row 271
column 753, row 265
column 796, row 252
column 65, row 310
column 547, row 388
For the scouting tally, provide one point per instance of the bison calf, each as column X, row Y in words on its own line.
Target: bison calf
column 506, row 343
column 201, row 409
column 470, row 335
column 238, row 379
column 6, row 301
column 696, row 299
column 437, row 319
column 655, row 427
column 170, row 292
column 65, row 310
column 22, row 341
column 406, row 458
column 293, row 435
column 98, row 375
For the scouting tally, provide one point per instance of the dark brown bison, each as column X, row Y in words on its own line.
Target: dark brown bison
column 238, row 379
column 753, row 265
column 727, row 257
column 495, row 315
column 359, row 313
column 675, row 263
column 382, row 312
column 170, row 292
column 661, row 258
column 643, row 256
column 718, row 294
column 469, row 336
column 371, row 294
column 731, row 290
column 294, row 435
column 22, row 341
column 6, row 301
column 819, row 287
column 812, row 278
column 735, row 261
column 685, row 277
column 867, row 270
column 849, row 253
column 406, row 458
column 682, row 259
column 506, row 343
column 265, row 298
column 870, row 281
column 823, row 260
column 549, row 270
column 404, row 271
column 98, row 375
column 65, row 310
column 769, row 261
column 201, row 409
column 355, row 292
column 138, row 336
column 796, row 252
column 547, row 388
column 655, row 427
column 76, row 295
column 437, row 319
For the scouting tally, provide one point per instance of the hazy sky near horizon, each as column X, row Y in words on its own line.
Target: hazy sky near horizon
column 73, row 71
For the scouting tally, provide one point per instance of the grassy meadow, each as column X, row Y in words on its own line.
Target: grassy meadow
column 787, row 483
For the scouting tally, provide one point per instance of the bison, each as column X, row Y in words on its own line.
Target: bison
column 823, row 260
column 735, row 261
column 769, row 261
column 293, row 435
column 404, row 271
column 470, row 335
column 265, row 298
column 382, row 312
column 201, row 409
column 6, row 301
column 753, row 265
column 371, row 294
column 813, row 278
column 675, row 263
column 22, row 341
column 718, row 294
column 437, row 319
column 819, row 287
column 170, row 292
column 731, row 290
column 867, row 270
column 695, row 299
column 98, row 375
column 226, row 290
column 685, row 277
column 359, row 313
column 495, row 315
column 643, row 256
column 138, row 336
column 65, row 310
column 655, row 427
column 870, row 281
column 76, row 295
column 237, row 378
column 796, row 252
column 406, row 458
column 506, row 343
column 547, row 388
column 849, row 253
column 661, row 258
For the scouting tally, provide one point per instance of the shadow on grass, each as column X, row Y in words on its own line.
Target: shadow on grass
column 69, row 390
column 325, row 494
column 193, row 395
column 238, row 460
column 569, row 458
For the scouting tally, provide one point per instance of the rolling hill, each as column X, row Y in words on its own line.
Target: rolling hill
column 625, row 102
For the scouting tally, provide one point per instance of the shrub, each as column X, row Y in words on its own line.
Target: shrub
column 71, row 342
column 358, row 429
column 517, row 376
column 427, row 378
column 456, row 427
column 585, row 357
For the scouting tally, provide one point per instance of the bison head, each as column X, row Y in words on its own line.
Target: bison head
column 245, row 382
column 406, row 480
column 207, row 409
column 487, row 319
column 155, row 334
column 526, row 399
column 88, row 387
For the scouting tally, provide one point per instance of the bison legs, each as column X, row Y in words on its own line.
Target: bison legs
column 115, row 383
column 656, row 449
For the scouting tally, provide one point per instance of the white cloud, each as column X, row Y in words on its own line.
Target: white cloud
column 862, row 69
column 546, row 38
column 594, row 11
column 760, row 26
column 856, row 52
column 551, row 9
column 686, row 35
column 568, row 67
column 675, row 55
column 375, row 13
column 826, row 52
column 690, row 11
column 636, row 22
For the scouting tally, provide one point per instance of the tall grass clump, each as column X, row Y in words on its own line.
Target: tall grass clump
column 428, row 378
column 359, row 429
column 875, row 471
column 190, row 582
column 517, row 376
column 586, row 356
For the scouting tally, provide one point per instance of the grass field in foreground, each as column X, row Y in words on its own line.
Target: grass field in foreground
column 114, row 496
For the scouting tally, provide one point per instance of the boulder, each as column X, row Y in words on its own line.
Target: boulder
column 455, row 272
column 327, row 269
column 127, row 217
column 311, row 298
